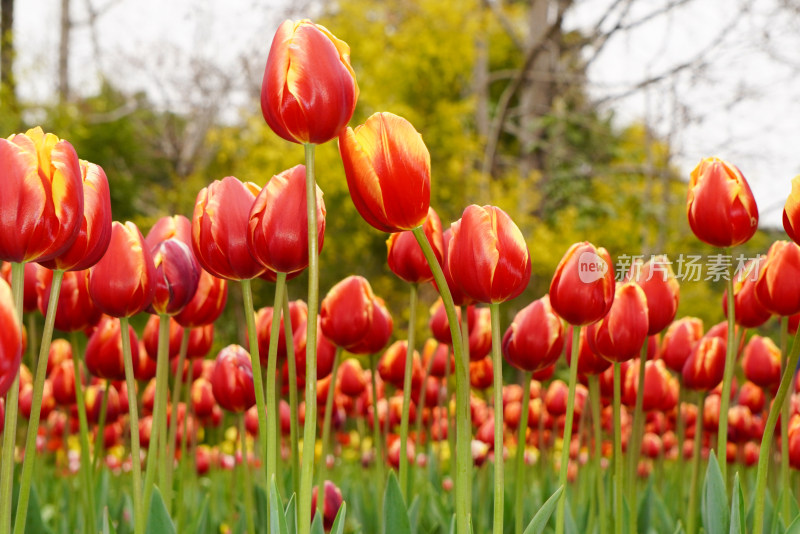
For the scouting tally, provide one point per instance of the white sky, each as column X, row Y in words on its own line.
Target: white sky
column 697, row 111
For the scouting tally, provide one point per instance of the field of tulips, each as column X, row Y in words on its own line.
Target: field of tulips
column 117, row 421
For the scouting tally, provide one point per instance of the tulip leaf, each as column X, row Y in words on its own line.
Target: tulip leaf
column 338, row 523
column 541, row 518
column 291, row 515
column 108, row 526
column 262, row 509
column 714, row 508
column 395, row 515
column 453, row 524
column 794, row 526
column 277, row 519
column 737, row 508
column 201, row 524
column 644, row 519
column 101, row 493
column 158, row 520
column 316, row 525
column 413, row 513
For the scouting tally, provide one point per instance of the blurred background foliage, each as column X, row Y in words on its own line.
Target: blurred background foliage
column 501, row 102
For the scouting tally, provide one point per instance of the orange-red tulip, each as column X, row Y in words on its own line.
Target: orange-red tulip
column 778, row 284
column 29, row 292
column 535, row 338
column 791, row 212
column 351, row 379
column 620, row 335
column 679, row 340
column 487, row 257
column 298, row 312
column 459, row 298
column 388, row 170
column 589, row 362
column 720, row 206
column 104, row 350
column 656, row 385
column 405, row 257
column 277, row 235
column 94, row 398
column 10, row 339
column 76, row 310
column 63, row 380
column 208, row 301
column 202, row 397
column 481, row 373
column 392, row 365
column 346, row 312
column 748, row 310
column 309, row 91
column 442, row 358
column 176, row 226
column 705, row 366
column 60, row 350
column 762, row 362
column 752, row 396
column 582, row 289
column 232, row 379
column 150, row 337
column 325, row 352
column 122, row 283
column 661, row 288
column 41, row 208
column 380, row 331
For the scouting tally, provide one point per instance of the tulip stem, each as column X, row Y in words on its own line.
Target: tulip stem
column 421, row 402
column 769, row 431
column 139, row 513
column 691, row 520
column 497, row 387
column 247, row 482
column 635, row 439
column 288, row 333
column 618, row 505
column 187, row 401
column 310, row 426
column 376, row 438
column 326, row 429
column 36, row 406
column 519, row 460
column 565, row 442
column 463, row 422
column 271, row 433
column 730, row 364
column 159, row 413
column 785, row 416
column 99, row 439
column 412, row 321
column 173, row 421
column 594, row 399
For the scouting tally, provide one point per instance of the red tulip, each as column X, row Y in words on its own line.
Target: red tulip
column 791, row 212
column 277, row 235
column 76, row 310
column 720, row 206
column 232, row 379
column 405, row 257
column 351, row 380
column 380, row 331
column 794, row 441
column 63, row 380
column 488, row 258
column 778, row 284
column 346, row 312
column 661, row 289
column 392, row 365
column 388, row 170
column 481, row 373
column 326, row 350
column 331, row 503
column 10, row 340
column 459, row 298
column 41, row 208
column 298, row 312
column 582, row 289
column 200, row 340
column 752, row 396
column 440, row 326
column 150, row 337
column 104, row 350
column 146, row 370
column 202, row 397
column 94, row 398
column 177, row 275
column 29, row 292
column 748, row 310
column 589, row 362
column 680, row 339
column 442, row 358
column 620, row 335
column 219, row 229
column 176, row 226
column 26, row 400
column 656, row 385
column 762, row 362
column 309, row 91
column 705, row 366
column 122, row 283
column 208, row 301
column 60, row 350
column 535, row 338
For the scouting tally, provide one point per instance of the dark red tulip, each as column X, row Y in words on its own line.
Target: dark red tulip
column 346, row 312
column 620, row 335
column 535, row 338
column 208, row 301
column 10, row 339
column 748, row 310
column 177, row 275
column 122, row 283
column 232, row 379
column 309, row 90
column 487, row 257
column 405, row 257
column 679, row 340
column 705, row 366
column 104, row 350
column 330, row 506
column 219, row 229
column 351, row 380
column 175, row 227
column 661, row 288
column 720, row 206
column 762, row 362
column 582, row 289
column 388, row 170
column 778, row 284
column 380, row 331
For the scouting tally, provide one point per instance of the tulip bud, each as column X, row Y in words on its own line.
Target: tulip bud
column 29, row 292
column 620, row 335
column 298, row 312
column 661, row 288
column 777, row 288
column 405, row 257
column 582, row 289
column 392, row 365
column 232, row 379
column 176, row 278
column 762, row 362
column 679, row 340
column 748, row 310
column 351, row 380
column 752, row 396
column 325, row 352
column 76, row 311
column 346, row 312
column 380, row 330
column 791, row 212
column 705, row 366
column 481, row 373
column 208, row 301
column 535, row 338
column 104, row 350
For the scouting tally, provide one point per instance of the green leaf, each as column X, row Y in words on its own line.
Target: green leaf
column 277, row 519
column 201, row 524
column 453, row 524
column 338, row 523
column 794, row 526
column 394, row 509
column 541, row 518
column 108, row 526
column 291, row 515
column 714, row 508
column 413, row 514
column 262, row 507
column 101, row 493
column 737, row 508
column 34, row 523
column 666, row 522
column 158, row 520
column 644, row 519
column 316, row 525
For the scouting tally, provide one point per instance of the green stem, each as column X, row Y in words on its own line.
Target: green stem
column 691, row 519
column 83, row 426
column 520, row 457
column 618, row 505
column 273, row 416
column 565, row 443
column 769, row 431
column 247, row 482
column 139, row 512
column 173, row 421
column 594, row 399
column 154, row 460
column 310, row 426
column 376, row 438
column 293, row 422
column 36, row 406
column 412, row 321
column 497, row 387
column 326, row 429
column 463, row 421
column 421, row 402
column 99, row 439
column 184, row 462
column 635, row 439
column 31, row 336
column 451, row 417
column 681, row 431
column 785, row 415
column 730, row 364
column 464, row 379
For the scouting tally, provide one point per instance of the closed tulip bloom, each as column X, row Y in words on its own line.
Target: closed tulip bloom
column 63, row 381
column 351, row 380
column 705, row 366
column 620, row 335
column 298, row 313
column 332, row 501
column 582, row 289
column 440, row 326
column 309, row 91
column 748, row 310
column 380, row 332
column 791, row 212
column 480, row 334
column 177, row 275
column 589, row 362
column 405, row 257
column 720, row 206
column 326, row 351
column 481, row 373
column 175, row 226
column 535, row 338
column 442, row 358
column 656, row 385
column 10, row 340
column 104, row 350
column 122, row 283
column 41, row 208
column 219, row 229
column 94, row 233
column 679, row 340
column 762, row 362
column 232, row 379
column 778, row 284
column 277, row 234
column 208, row 301
column 29, row 294
column 388, row 170
column 459, row 298
column 488, row 257
column 346, row 312
column 150, row 337
column 392, row 365
column 76, row 310
column 661, row 289
column 60, row 350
